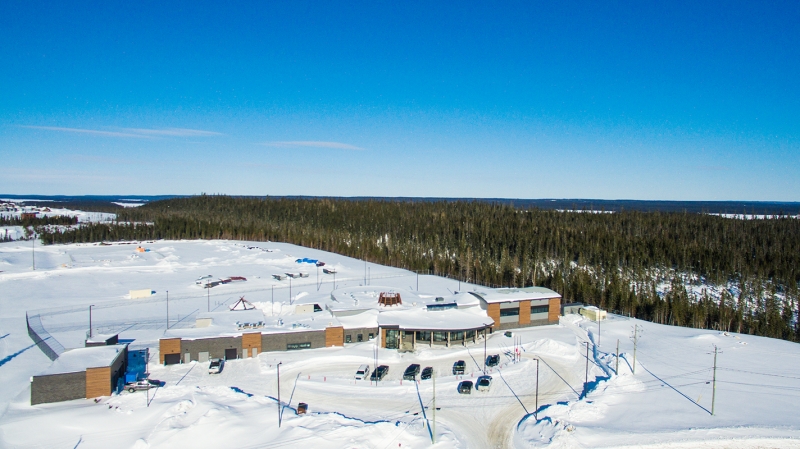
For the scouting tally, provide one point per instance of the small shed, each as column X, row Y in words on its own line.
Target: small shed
column 593, row 313
column 145, row 293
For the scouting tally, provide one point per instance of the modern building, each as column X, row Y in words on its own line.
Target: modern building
column 80, row 373
column 399, row 319
column 512, row 308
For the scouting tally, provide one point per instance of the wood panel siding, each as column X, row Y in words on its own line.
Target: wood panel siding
column 98, row 382
column 555, row 309
column 525, row 312
column 383, row 338
column 249, row 341
column 168, row 346
column 493, row 310
column 334, row 336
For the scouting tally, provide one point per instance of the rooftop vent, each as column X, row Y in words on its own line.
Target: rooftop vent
column 389, row 299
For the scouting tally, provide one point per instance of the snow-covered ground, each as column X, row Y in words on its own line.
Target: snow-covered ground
column 10, row 208
column 665, row 404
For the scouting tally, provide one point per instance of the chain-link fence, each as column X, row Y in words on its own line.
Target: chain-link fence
column 49, row 345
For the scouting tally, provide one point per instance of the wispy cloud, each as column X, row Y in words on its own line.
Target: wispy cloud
column 314, row 144
column 180, row 132
column 95, row 132
column 141, row 133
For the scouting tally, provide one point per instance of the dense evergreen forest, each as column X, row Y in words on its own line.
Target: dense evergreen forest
column 684, row 269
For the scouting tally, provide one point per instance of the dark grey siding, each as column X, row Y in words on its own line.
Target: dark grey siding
column 278, row 342
column 505, row 326
column 215, row 346
column 364, row 331
column 58, row 387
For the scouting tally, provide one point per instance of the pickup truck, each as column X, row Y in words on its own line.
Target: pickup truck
column 144, row 384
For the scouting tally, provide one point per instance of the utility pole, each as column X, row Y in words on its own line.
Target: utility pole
column 208, row 298
column 33, row 252
column 334, row 280
column 636, row 331
column 714, row 382
column 599, row 318
column 317, row 277
column 90, row 320
column 484, row 351
column 369, row 275
column 586, row 378
column 417, row 280
column 616, row 370
column 536, row 411
column 167, row 309
column 365, row 271
column 290, row 290
column 272, row 309
column 279, row 392
column 433, row 434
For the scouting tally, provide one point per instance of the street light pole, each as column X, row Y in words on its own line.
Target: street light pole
column 279, row 393
column 536, row 411
column 167, row 309
column 90, row 320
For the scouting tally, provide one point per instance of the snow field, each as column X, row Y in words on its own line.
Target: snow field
column 664, row 405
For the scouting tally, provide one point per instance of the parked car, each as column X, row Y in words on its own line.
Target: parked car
column 484, row 383
column 427, row 373
column 362, row 372
column 411, row 372
column 465, row 387
column 493, row 360
column 144, row 384
column 216, row 365
column 459, row 367
column 379, row 373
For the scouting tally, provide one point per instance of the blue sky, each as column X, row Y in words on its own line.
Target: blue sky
column 680, row 101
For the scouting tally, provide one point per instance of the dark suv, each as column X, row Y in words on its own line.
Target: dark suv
column 379, row 373
column 459, row 367
column 427, row 372
column 493, row 360
column 411, row 372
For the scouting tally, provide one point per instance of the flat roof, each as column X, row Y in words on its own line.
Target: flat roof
column 77, row 360
column 515, row 294
column 444, row 320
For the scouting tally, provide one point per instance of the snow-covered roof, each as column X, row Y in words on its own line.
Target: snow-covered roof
column 421, row 319
column 366, row 297
column 77, row 360
column 226, row 324
column 515, row 294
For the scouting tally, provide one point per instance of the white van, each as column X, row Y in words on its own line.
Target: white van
column 363, row 372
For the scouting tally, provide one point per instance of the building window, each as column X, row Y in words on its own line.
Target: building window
column 360, row 337
column 293, row 346
column 456, row 336
column 423, row 336
column 470, row 335
column 540, row 309
column 509, row 312
column 348, row 338
column 371, row 335
column 440, row 336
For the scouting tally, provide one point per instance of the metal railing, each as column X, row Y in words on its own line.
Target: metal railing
column 49, row 345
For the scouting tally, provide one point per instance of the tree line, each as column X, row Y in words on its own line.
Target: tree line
column 685, row 269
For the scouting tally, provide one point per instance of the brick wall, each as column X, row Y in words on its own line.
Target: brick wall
column 58, row 387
